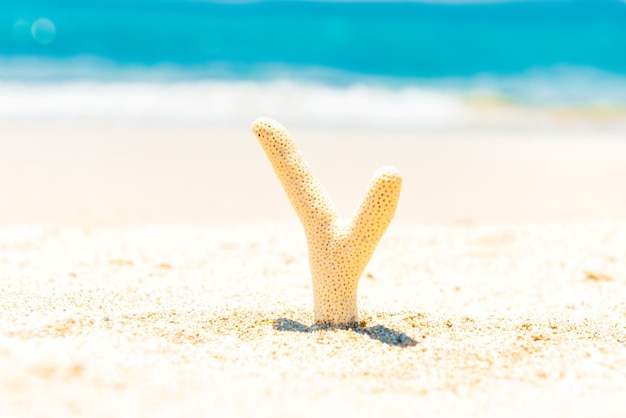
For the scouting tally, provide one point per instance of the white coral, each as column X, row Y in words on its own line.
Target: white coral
column 338, row 252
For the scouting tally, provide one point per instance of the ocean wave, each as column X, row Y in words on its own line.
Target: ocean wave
column 87, row 89
column 555, row 86
column 220, row 103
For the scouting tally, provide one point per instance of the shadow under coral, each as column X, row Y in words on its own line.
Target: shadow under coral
column 377, row 332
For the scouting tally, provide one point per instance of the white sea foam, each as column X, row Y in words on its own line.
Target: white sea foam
column 90, row 89
column 227, row 103
column 555, row 86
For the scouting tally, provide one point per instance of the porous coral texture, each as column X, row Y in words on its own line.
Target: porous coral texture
column 338, row 251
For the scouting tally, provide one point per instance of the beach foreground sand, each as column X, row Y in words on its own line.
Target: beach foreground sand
column 214, row 321
column 145, row 276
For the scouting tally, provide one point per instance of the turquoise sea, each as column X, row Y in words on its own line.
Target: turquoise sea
column 535, row 52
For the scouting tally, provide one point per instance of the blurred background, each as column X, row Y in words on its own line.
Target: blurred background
column 330, row 63
column 139, row 110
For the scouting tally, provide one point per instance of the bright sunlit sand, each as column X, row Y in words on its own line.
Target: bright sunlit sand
column 151, row 264
column 155, row 271
column 214, row 321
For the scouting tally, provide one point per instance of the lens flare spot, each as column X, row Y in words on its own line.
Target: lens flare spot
column 43, row 31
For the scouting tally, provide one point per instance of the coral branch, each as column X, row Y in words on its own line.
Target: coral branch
column 338, row 252
column 377, row 208
column 306, row 193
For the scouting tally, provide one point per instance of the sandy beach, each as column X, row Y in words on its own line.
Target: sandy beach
column 77, row 172
column 160, row 271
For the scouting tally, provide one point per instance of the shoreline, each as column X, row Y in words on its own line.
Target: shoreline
column 104, row 174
